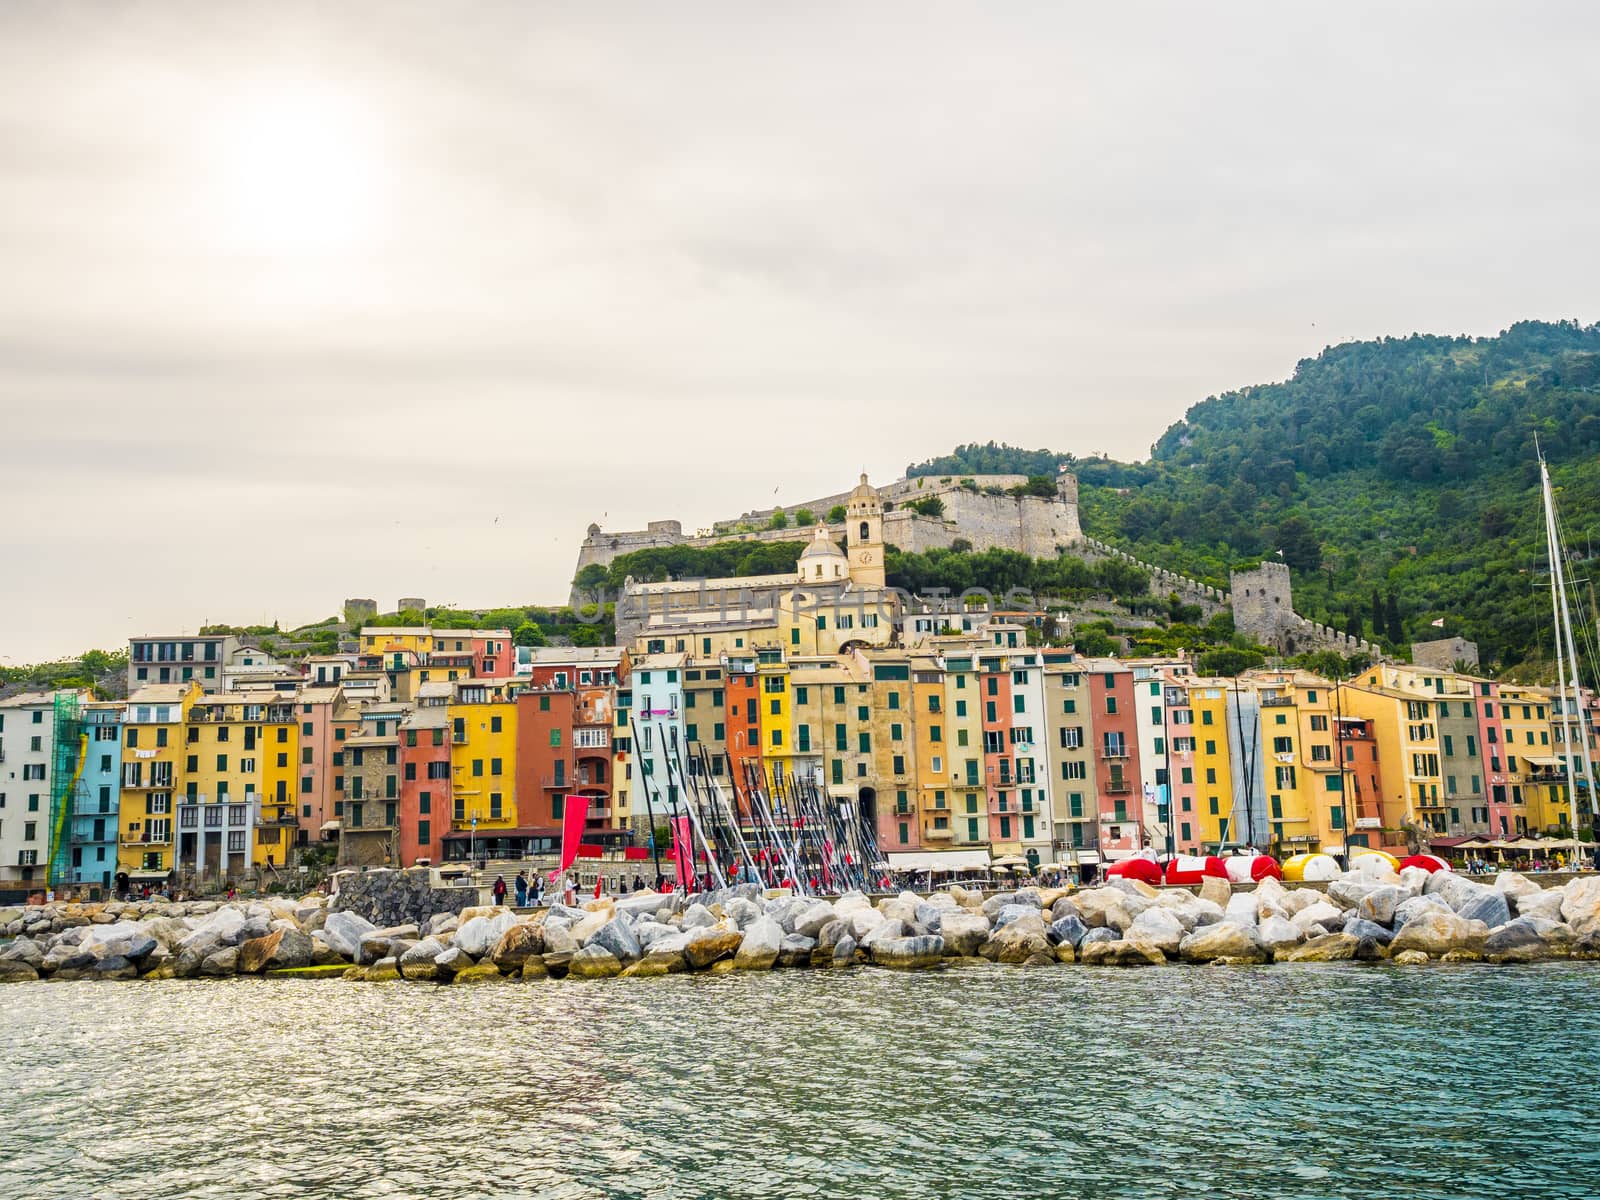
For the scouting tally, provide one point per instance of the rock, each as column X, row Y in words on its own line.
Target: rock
column 1580, row 905
column 698, row 916
column 418, row 962
column 864, row 922
column 1277, row 934
column 253, row 955
column 1542, row 903
column 533, row 969
column 221, row 962
column 1436, row 934
column 1017, row 941
column 1361, row 930
column 17, row 970
column 809, row 922
column 1104, row 908
column 484, row 972
column 1319, row 912
column 931, row 916
column 1132, row 951
column 516, row 946
column 558, row 938
column 451, row 961
column 594, row 962
column 323, row 955
column 1330, row 947
column 892, row 928
column 388, row 897
column 1408, row 958
column 844, row 954
column 909, row 953
column 1242, row 909
column 1457, row 890
column 1414, row 906
column 1528, row 939
column 1066, row 931
column 759, row 948
column 344, row 930
column 23, row 950
column 555, row 963
column 1225, row 939
column 707, row 945
column 1160, row 927
column 796, row 950
column 1513, row 884
column 114, row 966
column 385, row 970
column 126, row 939
column 616, row 935
column 1215, row 889
column 1348, row 893
column 1098, row 935
column 992, row 906
column 479, row 935
column 741, row 912
column 1379, row 904
column 963, row 930
column 1486, row 905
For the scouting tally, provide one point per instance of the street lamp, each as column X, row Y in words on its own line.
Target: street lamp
column 472, row 844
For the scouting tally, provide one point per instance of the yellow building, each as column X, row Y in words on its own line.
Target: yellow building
column 1531, row 760
column 1213, row 770
column 963, row 708
column 1402, row 710
column 929, row 725
column 1304, row 785
column 483, row 754
column 237, row 794
column 152, row 770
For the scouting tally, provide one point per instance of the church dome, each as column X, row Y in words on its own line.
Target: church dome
column 822, row 559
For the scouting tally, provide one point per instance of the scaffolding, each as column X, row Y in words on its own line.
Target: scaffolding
column 71, row 751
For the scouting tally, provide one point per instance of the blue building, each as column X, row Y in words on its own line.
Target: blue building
column 93, row 837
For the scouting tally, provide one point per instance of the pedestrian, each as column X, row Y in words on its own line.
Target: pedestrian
column 522, row 890
column 499, row 889
column 638, row 883
column 571, row 896
column 538, row 890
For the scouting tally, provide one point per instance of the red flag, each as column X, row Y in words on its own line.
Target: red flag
column 574, row 815
column 597, row 887
column 682, row 850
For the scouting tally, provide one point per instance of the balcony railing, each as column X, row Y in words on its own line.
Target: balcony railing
column 1118, row 787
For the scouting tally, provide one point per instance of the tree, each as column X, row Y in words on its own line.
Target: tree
column 929, row 506
column 1230, row 661
column 778, row 520
column 1377, row 614
column 1299, row 544
column 1396, row 631
column 836, row 514
column 587, row 635
column 590, row 579
column 804, row 518
column 529, row 634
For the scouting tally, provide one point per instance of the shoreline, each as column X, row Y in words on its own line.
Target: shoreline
column 1366, row 916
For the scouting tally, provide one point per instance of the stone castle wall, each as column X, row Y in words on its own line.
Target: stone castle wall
column 1263, row 610
column 1032, row 525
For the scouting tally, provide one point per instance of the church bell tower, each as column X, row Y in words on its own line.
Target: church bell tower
column 864, row 536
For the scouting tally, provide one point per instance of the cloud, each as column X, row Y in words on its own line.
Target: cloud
column 639, row 262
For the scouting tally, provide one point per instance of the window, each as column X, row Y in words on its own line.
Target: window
column 555, row 737
column 495, row 806
column 494, row 724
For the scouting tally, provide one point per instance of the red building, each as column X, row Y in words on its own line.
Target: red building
column 425, row 802
column 1116, row 758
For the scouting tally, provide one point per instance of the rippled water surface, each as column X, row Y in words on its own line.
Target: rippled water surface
column 979, row 1082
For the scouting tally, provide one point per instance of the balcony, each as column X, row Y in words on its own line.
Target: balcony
column 144, row 839
column 937, row 835
column 1118, row 787
column 904, row 810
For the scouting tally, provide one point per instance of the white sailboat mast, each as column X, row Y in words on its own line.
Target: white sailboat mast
column 1566, row 652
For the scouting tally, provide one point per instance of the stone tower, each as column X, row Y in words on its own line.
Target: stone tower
column 864, row 535
column 1263, row 605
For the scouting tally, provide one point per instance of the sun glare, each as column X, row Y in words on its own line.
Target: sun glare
column 298, row 173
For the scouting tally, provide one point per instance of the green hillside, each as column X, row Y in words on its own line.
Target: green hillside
column 1400, row 468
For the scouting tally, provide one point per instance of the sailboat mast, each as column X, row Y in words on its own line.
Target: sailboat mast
column 1563, row 622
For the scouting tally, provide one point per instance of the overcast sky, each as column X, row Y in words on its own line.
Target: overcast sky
column 300, row 302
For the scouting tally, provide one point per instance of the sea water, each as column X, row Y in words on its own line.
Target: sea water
column 1285, row 1081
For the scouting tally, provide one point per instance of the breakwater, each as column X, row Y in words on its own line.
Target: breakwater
column 1367, row 915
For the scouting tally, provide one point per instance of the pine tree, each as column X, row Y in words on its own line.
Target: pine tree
column 1397, row 633
column 1377, row 614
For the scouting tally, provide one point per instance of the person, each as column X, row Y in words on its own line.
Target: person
column 571, row 896
column 638, row 883
column 538, row 890
column 522, row 890
column 499, row 889
column 661, row 882
column 622, row 885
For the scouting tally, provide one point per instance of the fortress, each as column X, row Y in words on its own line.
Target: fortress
column 978, row 509
column 983, row 511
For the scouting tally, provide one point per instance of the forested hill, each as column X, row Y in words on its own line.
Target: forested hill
column 1405, row 465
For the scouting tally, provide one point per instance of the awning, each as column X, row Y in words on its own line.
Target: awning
column 1119, row 855
column 327, row 825
column 1011, row 860
column 939, row 860
column 1540, row 760
column 1086, row 858
column 147, row 875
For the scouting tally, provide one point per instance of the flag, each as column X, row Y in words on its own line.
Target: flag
column 574, row 814
column 597, row 881
column 682, row 850
column 1439, row 624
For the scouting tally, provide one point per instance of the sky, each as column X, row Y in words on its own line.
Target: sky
column 301, row 301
